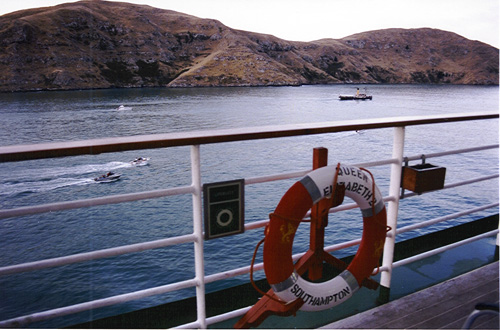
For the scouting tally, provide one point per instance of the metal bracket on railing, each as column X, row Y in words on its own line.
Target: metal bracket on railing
column 405, row 161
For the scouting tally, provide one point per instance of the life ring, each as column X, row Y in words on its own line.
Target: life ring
column 278, row 263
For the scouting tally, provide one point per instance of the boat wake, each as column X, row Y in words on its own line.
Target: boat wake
column 49, row 178
column 16, row 188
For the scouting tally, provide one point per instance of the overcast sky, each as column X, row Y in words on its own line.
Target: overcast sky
column 307, row 20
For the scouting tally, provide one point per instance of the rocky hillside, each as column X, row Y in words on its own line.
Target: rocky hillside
column 99, row 44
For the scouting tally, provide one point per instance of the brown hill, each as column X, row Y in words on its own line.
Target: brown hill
column 99, row 44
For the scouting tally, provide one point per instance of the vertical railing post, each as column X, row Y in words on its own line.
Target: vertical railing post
column 497, row 247
column 392, row 213
column 198, row 232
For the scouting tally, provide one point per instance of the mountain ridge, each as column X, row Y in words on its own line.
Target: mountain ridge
column 99, row 44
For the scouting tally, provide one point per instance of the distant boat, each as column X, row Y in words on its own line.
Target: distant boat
column 122, row 107
column 140, row 161
column 108, row 177
column 358, row 96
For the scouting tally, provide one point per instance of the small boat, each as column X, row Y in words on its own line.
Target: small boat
column 122, row 107
column 140, row 161
column 108, row 177
column 358, row 96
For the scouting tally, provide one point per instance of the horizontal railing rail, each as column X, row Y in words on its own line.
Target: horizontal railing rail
column 50, row 150
column 114, row 199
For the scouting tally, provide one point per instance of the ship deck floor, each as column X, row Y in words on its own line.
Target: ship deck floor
column 443, row 306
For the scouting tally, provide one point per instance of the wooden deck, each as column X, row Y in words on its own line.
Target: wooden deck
column 443, row 306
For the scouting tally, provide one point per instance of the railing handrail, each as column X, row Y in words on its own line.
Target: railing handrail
column 136, row 142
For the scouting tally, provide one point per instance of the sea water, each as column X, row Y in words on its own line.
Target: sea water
column 27, row 118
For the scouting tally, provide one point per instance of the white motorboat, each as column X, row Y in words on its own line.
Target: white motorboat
column 108, row 177
column 140, row 161
column 122, row 108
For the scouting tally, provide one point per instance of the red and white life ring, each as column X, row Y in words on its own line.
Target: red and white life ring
column 278, row 263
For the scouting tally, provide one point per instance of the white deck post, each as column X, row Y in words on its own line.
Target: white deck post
column 198, row 232
column 497, row 247
column 392, row 212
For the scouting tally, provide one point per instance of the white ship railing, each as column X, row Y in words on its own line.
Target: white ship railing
column 51, row 150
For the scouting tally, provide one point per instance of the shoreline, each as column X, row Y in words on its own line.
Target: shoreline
column 240, row 86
